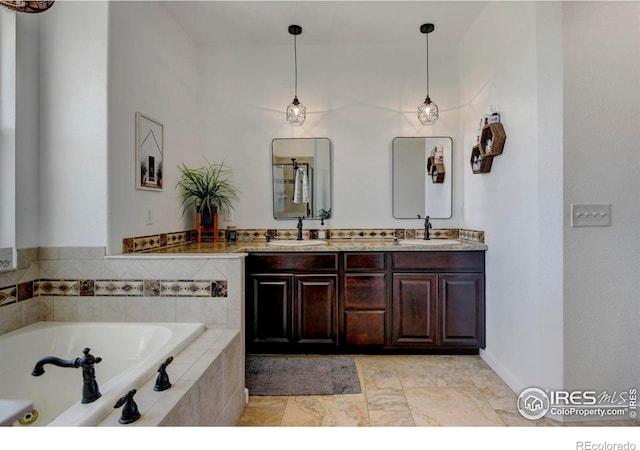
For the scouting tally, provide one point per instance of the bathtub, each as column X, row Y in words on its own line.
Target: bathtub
column 131, row 354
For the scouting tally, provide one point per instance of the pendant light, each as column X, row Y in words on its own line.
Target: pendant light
column 27, row 6
column 427, row 111
column 296, row 111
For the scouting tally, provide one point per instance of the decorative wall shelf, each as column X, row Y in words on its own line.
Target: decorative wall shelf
column 484, row 161
column 436, row 170
column 492, row 139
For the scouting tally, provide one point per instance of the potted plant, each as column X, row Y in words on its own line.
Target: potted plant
column 208, row 189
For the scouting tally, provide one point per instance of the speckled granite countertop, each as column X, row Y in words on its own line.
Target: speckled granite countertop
column 331, row 246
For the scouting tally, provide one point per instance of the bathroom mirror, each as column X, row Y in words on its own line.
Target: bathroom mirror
column 301, row 175
column 422, row 177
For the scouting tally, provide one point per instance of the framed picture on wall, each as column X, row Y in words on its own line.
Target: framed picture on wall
column 149, row 152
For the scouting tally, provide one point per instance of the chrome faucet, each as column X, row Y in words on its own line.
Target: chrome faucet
column 90, row 390
column 299, row 228
column 427, row 225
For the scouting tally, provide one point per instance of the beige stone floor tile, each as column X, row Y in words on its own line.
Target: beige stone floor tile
column 450, row 407
column 384, row 418
column 326, row 410
column 386, row 399
column 263, row 411
column 408, row 391
column 512, row 418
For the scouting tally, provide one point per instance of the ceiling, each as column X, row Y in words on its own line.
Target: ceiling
column 323, row 22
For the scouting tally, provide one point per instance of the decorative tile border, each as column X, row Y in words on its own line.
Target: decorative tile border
column 56, row 287
column 147, row 242
column 144, row 243
column 8, row 295
column 113, row 288
column 185, row 288
column 119, row 288
column 471, row 235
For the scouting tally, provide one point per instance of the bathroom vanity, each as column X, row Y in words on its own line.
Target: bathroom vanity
column 387, row 300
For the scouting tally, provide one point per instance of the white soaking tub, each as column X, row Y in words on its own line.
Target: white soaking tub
column 131, row 354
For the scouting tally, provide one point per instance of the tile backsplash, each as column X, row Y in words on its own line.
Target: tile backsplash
column 146, row 243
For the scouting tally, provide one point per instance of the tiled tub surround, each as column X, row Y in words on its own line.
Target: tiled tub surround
column 207, row 386
column 81, row 284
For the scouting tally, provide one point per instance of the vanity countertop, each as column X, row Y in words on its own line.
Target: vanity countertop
column 331, row 246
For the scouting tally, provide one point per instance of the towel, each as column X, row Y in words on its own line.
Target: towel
column 301, row 188
column 296, row 187
column 305, row 187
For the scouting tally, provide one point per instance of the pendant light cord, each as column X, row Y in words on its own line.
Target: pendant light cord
column 427, row 34
column 295, row 59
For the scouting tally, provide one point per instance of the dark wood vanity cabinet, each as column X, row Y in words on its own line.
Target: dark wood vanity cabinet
column 292, row 302
column 438, row 300
column 365, row 301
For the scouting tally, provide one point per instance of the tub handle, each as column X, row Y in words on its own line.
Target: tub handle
column 130, row 412
column 162, row 381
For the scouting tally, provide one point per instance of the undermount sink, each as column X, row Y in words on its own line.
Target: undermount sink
column 428, row 242
column 292, row 243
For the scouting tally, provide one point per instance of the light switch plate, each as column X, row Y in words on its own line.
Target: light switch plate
column 598, row 215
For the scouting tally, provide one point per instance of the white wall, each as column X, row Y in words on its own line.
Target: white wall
column 601, row 165
column 7, row 130
column 152, row 69
column 358, row 96
column 27, row 136
column 73, row 125
column 505, row 62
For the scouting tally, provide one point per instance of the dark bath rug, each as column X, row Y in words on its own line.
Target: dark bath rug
column 301, row 375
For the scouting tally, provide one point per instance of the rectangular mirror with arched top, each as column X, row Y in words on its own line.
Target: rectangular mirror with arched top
column 301, row 174
column 422, row 177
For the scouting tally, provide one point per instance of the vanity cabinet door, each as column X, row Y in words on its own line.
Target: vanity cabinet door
column 270, row 312
column 316, row 310
column 414, row 310
column 462, row 309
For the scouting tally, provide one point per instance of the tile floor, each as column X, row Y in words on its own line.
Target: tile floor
column 410, row 391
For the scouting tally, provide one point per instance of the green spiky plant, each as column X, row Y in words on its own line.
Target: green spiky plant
column 207, row 188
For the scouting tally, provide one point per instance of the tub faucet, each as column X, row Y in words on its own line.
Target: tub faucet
column 427, row 225
column 130, row 411
column 299, row 228
column 162, row 380
column 90, row 390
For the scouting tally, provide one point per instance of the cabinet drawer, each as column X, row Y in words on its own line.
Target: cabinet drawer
column 364, row 261
column 365, row 327
column 267, row 262
column 438, row 261
column 365, row 290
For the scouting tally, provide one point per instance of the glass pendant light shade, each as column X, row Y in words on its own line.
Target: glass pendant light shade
column 428, row 112
column 27, row 6
column 296, row 113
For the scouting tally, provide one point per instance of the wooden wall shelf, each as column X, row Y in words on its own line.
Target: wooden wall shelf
column 436, row 170
column 492, row 139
